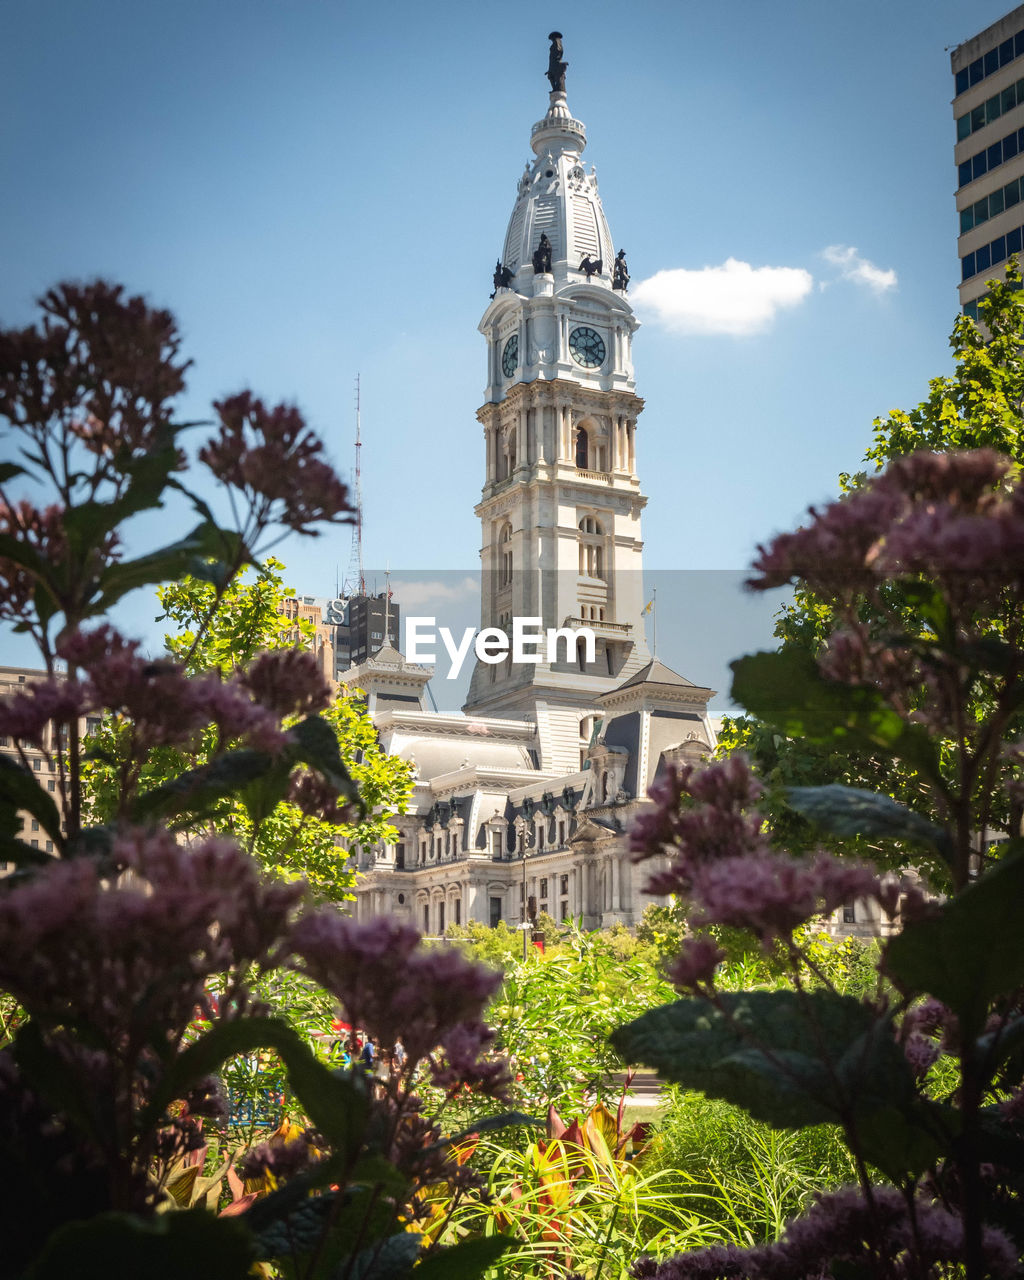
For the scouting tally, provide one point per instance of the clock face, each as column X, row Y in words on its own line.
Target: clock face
column 510, row 356
column 587, row 347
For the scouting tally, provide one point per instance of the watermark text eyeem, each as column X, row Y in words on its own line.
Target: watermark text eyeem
column 529, row 641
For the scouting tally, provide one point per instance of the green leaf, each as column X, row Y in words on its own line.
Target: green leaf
column 22, row 854
column 64, row 1088
column 972, row 949
column 13, row 548
column 786, row 689
column 200, row 789
column 316, row 745
column 389, row 1259
column 486, row 1124
column 20, row 788
column 337, row 1104
column 262, row 796
column 189, row 1243
column 168, row 564
column 791, row 1059
column 851, row 811
column 466, row 1261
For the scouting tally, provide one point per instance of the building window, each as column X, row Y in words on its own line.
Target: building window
column 849, row 915
column 564, row 885
column 426, row 919
column 998, row 105
column 1012, row 47
column 458, row 911
column 49, row 846
column 495, row 912
column 51, row 785
column 991, row 254
column 505, row 554
column 564, row 912
column 440, row 917
column 35, row 824
column 990, row 157
column 399, row 857
column 591, row 549
column 544, row 887
column 991, row 205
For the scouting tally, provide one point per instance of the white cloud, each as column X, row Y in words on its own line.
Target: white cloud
column 734, row 298
column 413, row 594
column 853, row 267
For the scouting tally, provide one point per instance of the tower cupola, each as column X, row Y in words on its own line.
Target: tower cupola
column 559, row 199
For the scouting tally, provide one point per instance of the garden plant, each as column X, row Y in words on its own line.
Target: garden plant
column 133, row 958
column 918, row 577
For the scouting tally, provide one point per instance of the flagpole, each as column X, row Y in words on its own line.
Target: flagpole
column 654, row 622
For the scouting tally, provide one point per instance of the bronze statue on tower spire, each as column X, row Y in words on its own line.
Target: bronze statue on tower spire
column 556, row 67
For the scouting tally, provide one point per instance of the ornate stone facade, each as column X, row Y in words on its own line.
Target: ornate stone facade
column 521, row 804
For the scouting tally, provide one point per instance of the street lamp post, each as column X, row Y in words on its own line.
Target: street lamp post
column 525, row 924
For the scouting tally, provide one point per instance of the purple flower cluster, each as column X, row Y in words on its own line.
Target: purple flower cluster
column 887, row 1236
column 131, row 958
column 101, row 368
column 272, row 457
column 719, row 859
column 288, row 682
column 394, row 989
column 954, row 517
column 164, row 705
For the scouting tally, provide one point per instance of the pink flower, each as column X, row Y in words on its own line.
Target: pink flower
column 718, row 827
column 921, row 1053
column 316, row 797
column 844, row 1227
column 26, row 716
column 275, row 460
column 695, row 965
column 287, row 682
column 389, row 985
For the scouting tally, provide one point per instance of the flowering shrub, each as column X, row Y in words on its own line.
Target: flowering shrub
column 923, row 572
column 133, row 955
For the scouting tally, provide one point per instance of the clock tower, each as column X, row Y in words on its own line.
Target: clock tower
column 561, row 502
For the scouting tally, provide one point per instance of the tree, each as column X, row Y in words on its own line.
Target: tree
column 137, row 958
column 980, row 405
column 223, row 630
column 922, row 568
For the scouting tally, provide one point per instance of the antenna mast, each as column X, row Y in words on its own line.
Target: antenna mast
column 355, row 583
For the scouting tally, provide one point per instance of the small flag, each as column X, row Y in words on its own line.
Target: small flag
column 650, row 606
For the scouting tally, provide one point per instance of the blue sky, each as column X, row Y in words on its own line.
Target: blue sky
column 319, row 189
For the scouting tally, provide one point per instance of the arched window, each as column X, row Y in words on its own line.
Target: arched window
column 505, row 555
column 582, row 448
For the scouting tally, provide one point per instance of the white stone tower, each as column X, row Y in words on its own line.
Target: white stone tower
column 561, row 503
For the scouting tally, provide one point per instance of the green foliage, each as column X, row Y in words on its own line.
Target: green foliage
column 193, row 1243
column 242, row 792
column 979, row 405
column 792, row 1059
column 223, row 627
column 734, row 1180
column 131, row 962
column 554, row 1012
column 573, row 1203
